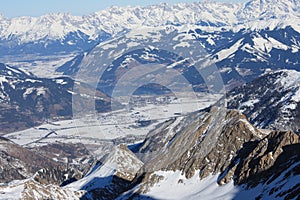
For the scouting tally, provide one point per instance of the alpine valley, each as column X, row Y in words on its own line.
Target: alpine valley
column 186, row 101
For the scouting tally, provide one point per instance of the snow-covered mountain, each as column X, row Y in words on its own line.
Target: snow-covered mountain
column 242, row 39
column 116, row 19
column 215, row 153
column 271, row 101
column 245, row 55
column 64, row 32
column 239, row 57
column 26, row 100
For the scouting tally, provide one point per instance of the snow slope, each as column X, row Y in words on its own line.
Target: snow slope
column 175, row 186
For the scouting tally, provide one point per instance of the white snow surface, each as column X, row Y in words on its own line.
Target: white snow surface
column 224, row 53
column 292, row 79
column 41, row 66
column 12, row 191
column 193, row 188
column 291, row 82
column 175, row 186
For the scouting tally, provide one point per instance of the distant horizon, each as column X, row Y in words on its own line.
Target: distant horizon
column 35, row 8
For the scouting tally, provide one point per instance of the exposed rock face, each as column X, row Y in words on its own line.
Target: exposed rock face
column 268, row 157
column 228, row 145
column 272, row 167
column 57, row 175
column 205, row 141
column 128, row 164
column 35, row 172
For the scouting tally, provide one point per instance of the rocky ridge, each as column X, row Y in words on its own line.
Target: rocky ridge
column 270, row 101
column 240, row 152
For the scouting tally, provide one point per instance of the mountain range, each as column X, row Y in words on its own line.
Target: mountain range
column 27, row 101
column 248, row 149
column 63, row 33
column 239, row 57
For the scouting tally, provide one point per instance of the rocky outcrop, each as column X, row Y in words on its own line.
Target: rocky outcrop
column 128, row 164
column 205, row 141
column 110, row 176
column 35, row 174
column 220, row 141
column 32, row 190
column 57, row 175
column 260, row 160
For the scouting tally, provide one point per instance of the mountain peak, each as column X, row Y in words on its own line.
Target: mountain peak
column 230, row 152
column 114, row 20
column 269, row 5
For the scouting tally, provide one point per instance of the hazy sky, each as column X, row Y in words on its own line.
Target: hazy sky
column 14, row 8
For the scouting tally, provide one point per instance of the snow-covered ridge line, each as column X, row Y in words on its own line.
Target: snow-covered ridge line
column 255, row 14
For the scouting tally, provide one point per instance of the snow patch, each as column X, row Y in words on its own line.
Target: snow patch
column 225, row 53
column 39, row 91
column 175, row 186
